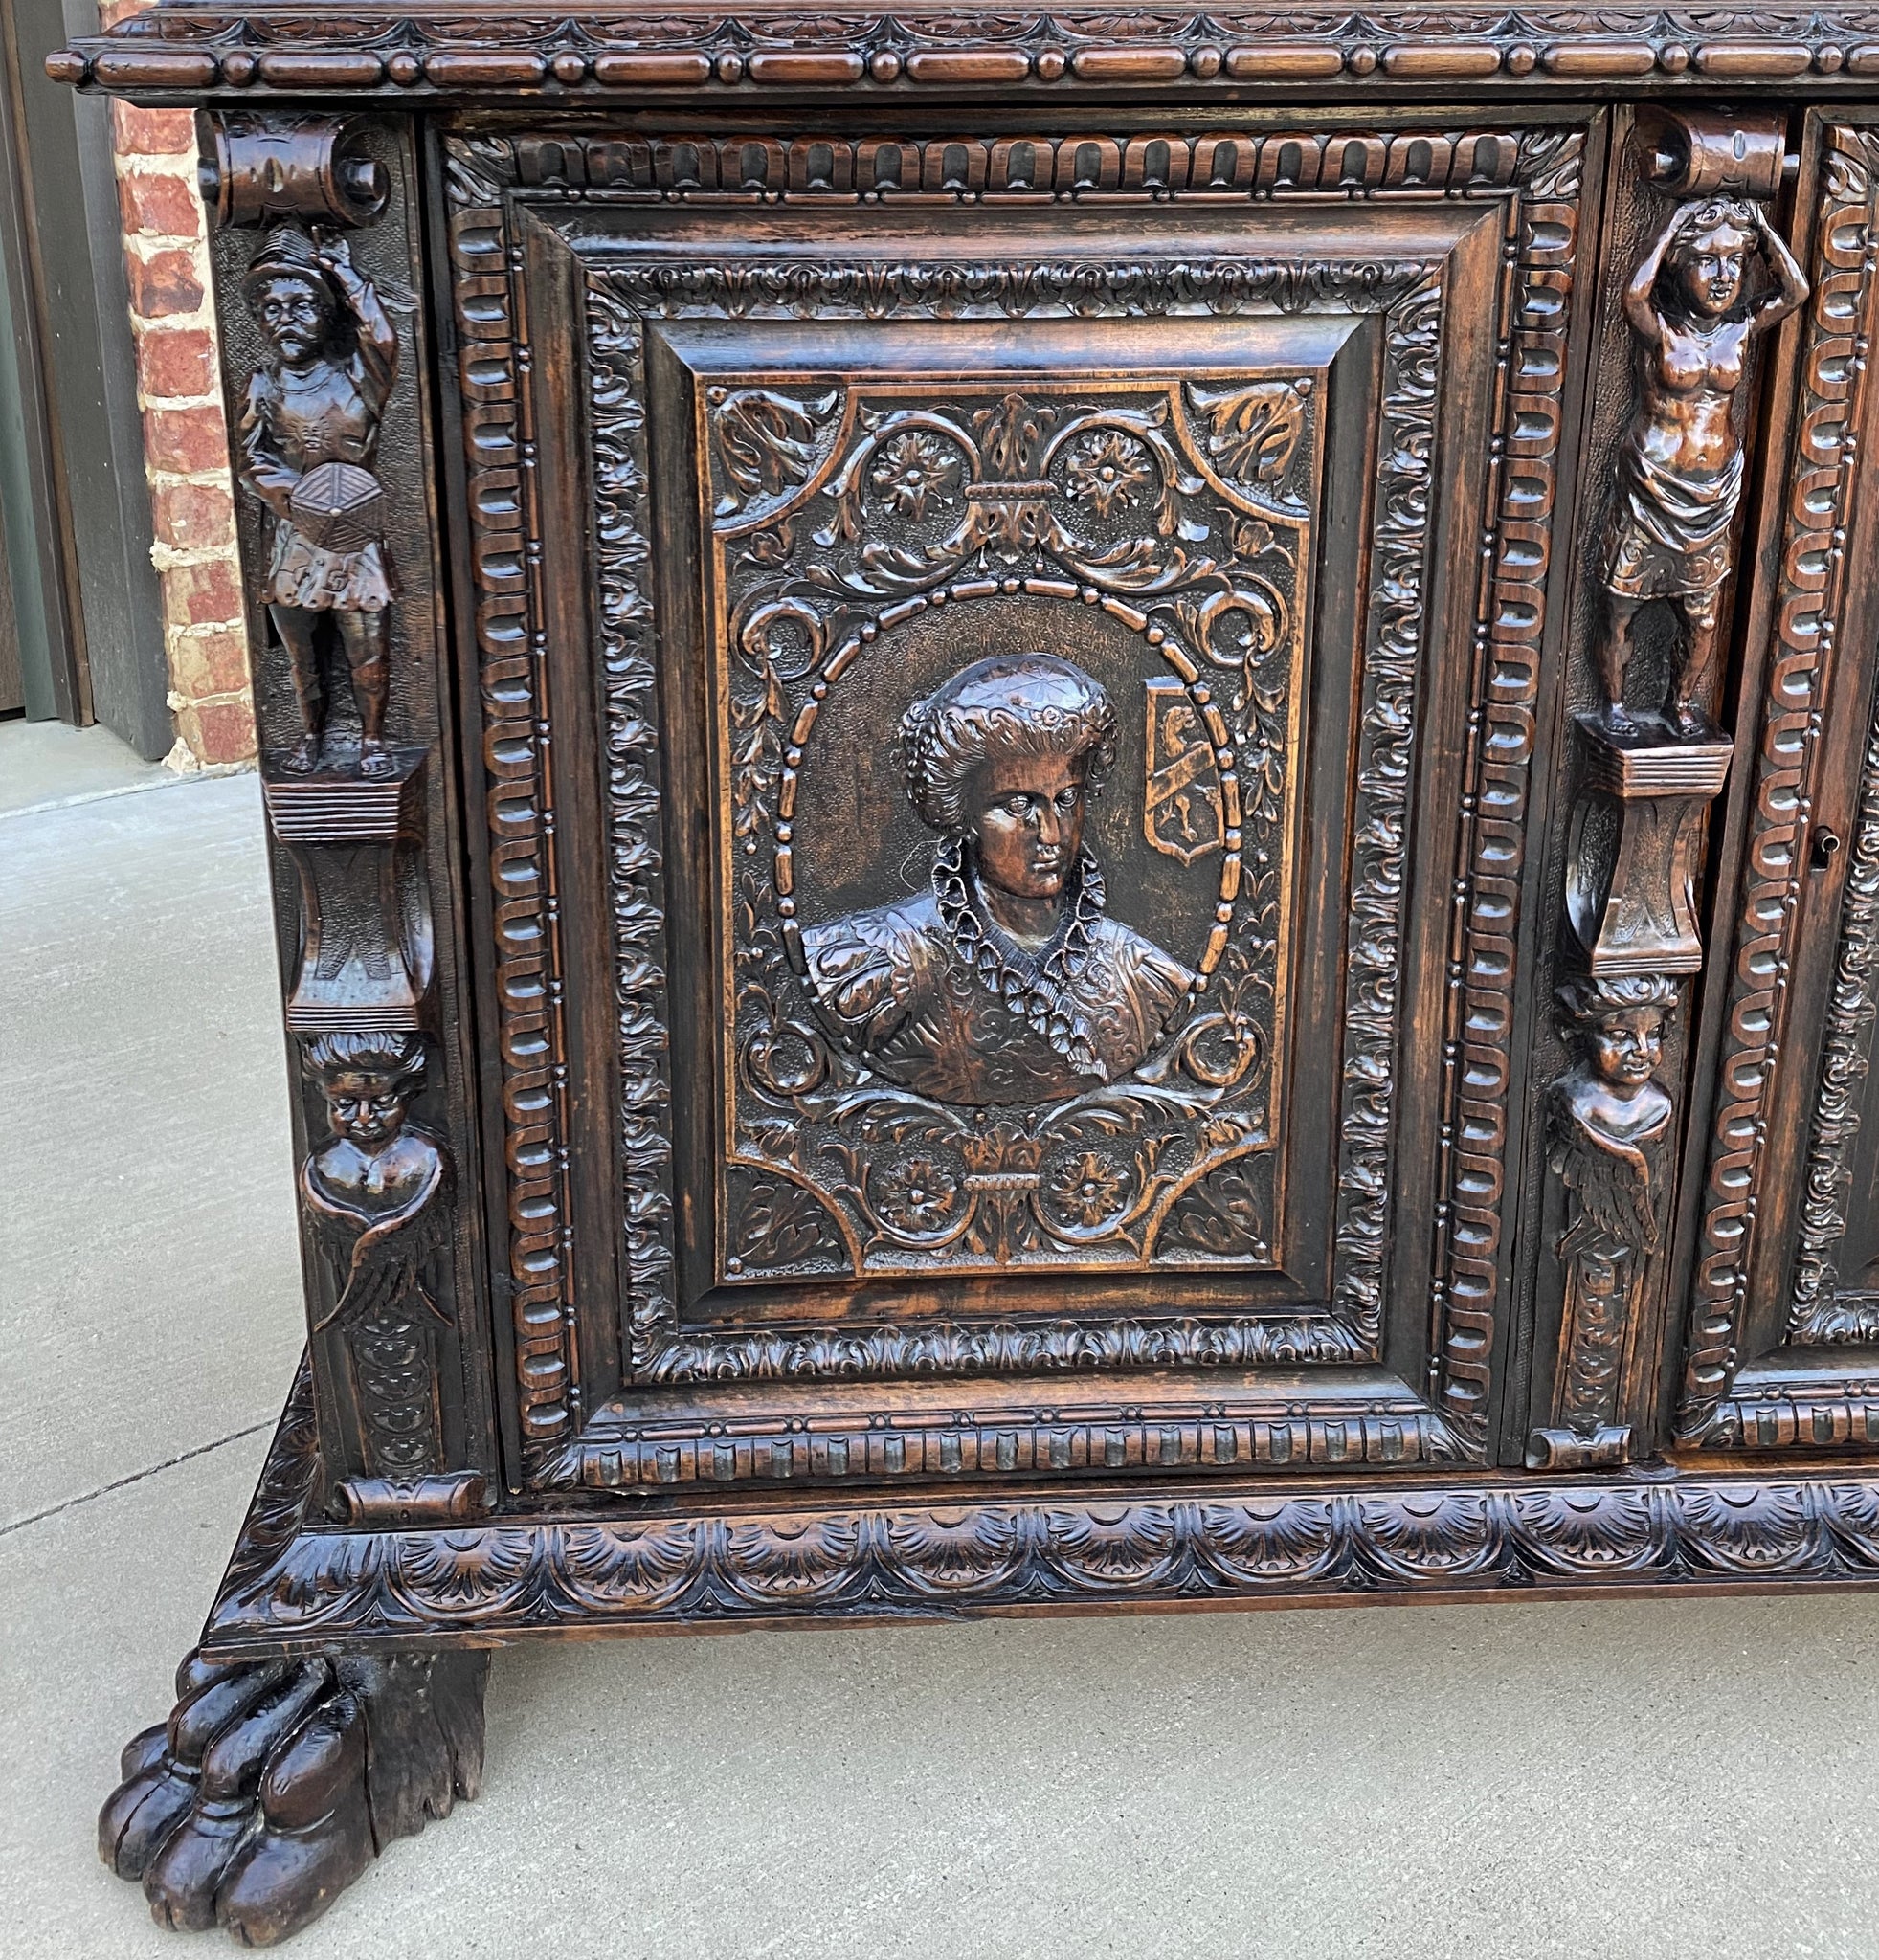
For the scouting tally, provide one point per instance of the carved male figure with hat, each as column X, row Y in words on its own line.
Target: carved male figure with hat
column 309, row 433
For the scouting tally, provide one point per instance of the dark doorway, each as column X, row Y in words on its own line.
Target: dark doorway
column 81, row 613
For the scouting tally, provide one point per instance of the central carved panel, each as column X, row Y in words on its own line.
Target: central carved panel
column 1011, row 694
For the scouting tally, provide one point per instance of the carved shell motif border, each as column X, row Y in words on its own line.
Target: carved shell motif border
column 287, row 1587
column 1814, row 571
column 1536, row 170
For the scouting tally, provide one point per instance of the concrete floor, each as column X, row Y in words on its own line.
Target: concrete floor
column 1615, row 1782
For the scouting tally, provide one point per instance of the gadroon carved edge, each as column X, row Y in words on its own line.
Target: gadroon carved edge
column 289, row 1588
column 193, row 53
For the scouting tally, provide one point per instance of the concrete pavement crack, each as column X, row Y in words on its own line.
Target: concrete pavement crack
column 135, row 1477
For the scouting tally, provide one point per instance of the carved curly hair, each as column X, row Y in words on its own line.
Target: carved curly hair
column 1588, row 1002
column 398, row 1056
column 1713, row 213
column 1012, row 704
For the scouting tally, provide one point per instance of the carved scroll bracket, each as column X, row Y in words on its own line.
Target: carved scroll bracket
column 259, row 169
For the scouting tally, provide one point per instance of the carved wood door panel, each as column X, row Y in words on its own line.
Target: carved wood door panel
column 1007, row 666
column 1782, row 1342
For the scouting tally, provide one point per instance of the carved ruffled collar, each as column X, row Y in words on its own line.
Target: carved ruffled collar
column 1035, row 987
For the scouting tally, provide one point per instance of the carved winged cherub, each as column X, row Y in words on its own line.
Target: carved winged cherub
column 1680, row 466
column 1609, row 1120
column 309, row 433
column 377, row 1191
column 1006, row 981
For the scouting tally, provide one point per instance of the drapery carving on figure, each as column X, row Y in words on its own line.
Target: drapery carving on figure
column 1680, row 467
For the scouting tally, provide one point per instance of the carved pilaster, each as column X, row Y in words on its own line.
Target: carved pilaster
column 1650, row 760
column 315, row 254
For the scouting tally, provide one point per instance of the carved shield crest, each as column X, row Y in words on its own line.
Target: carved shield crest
column 1181, row 800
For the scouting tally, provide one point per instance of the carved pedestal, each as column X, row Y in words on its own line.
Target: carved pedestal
column 1635, row 850
column 366, row 951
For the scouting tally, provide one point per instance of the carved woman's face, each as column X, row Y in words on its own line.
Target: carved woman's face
column 1626, row 1047
column 365, row 1107
column 1709, row 270
column 295, row 317
column 1027, row 822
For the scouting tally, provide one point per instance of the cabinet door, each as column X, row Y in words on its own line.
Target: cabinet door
column 1784, row 1331
column 1007, row 663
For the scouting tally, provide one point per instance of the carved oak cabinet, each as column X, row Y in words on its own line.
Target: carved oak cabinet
column 1068, row 810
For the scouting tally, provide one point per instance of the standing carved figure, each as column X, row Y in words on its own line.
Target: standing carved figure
column 1007, row 981
column 1609, row 1136
column 1680, row 467
column 309, row 432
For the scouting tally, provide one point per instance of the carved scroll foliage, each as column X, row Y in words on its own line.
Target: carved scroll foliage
column 1083, row 497
column 1817, row 1310
column 622, row 532
column 1833, row 388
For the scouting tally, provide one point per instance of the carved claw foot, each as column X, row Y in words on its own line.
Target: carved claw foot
column 275, row 1784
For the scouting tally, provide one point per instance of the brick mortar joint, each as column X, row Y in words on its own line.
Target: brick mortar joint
column 197, row 319
column 179, row 404
column 187, row 557
column 158, row 163
column 146, row 244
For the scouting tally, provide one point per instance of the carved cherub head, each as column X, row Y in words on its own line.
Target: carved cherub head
column 1619, row 1022
column 1707, row 262
column 368, row 1082
column 1006, row 754
column 291, row 295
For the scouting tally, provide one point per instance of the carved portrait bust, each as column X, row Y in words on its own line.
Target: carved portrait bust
column 1610, row 1118
column 371, row 1191
column 1006, row 981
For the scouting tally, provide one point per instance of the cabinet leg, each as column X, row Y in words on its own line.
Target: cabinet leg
column 273, row 1784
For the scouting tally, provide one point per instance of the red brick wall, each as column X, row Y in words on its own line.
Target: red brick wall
column 185, row 432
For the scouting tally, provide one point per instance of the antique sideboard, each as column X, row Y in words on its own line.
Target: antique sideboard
column 1068, row 810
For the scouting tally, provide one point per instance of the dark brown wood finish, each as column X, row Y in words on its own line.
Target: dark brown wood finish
column 1067, row 812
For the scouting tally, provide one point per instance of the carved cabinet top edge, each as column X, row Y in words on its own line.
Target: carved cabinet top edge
column 186, row 52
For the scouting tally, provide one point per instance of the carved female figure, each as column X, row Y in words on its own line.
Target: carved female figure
column 1609, row 1135
column 309, row 432
column 1680, row 467
column 1006, row 981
